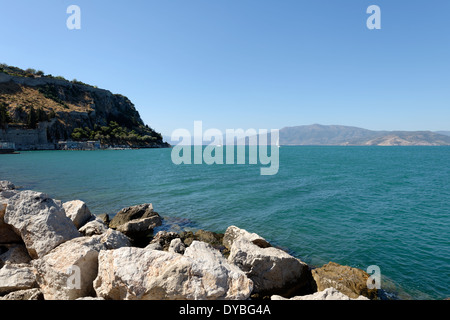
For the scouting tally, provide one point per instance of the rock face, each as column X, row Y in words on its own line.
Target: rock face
column 327, row 294
column 272, row 270
column 40, row 221
column 350, row 281
column 201, row 273
column 78, row 212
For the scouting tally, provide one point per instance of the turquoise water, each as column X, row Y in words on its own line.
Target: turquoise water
column 358, row 206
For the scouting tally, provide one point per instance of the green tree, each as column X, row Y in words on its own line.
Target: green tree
column 80, row 134
column 30, row 71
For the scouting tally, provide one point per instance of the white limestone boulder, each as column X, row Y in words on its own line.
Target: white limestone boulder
column 78, row 212
column 68, row 271
column 272, row 270
column 144, row 274
column 40, row 221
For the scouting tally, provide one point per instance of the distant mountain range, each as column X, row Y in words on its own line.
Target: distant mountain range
column 337, row 135
column 446, row 133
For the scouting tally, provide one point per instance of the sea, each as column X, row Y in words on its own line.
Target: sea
column 359, row 206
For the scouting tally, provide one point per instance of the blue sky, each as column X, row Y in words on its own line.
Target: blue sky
column 247, row 63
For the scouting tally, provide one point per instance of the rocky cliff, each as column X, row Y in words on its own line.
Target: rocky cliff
column 58, row 107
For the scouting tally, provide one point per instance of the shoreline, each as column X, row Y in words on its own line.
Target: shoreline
column 390, row 293
column 244, row 255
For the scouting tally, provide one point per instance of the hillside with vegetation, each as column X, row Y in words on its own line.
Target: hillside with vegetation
column 70, row 110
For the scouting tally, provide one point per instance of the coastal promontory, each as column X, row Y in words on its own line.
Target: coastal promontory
column 37, row 111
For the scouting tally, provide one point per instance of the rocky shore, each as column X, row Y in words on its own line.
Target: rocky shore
column 51, row 250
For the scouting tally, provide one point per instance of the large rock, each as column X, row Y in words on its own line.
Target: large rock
column 27, row 294
column 232, row 233
column 209, row 237
column 15, row 277
column 105, row 218
column 94, row 227
column 163, row 239
column 143, row 274
column 78, row 212
column 7, row 234
column 68, row 271
column 350, row 281
column 213, row 238
column 219, row 278
column 177, row 246
column 40, row 221
column 14, row 254
column 112, row 239
column 327, row 294
column 132, row 213
column 6, row 185
column 137, row 222
column 272, row 270
column 140, row 228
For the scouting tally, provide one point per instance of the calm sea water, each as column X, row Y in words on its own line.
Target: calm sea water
column 357, row 206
